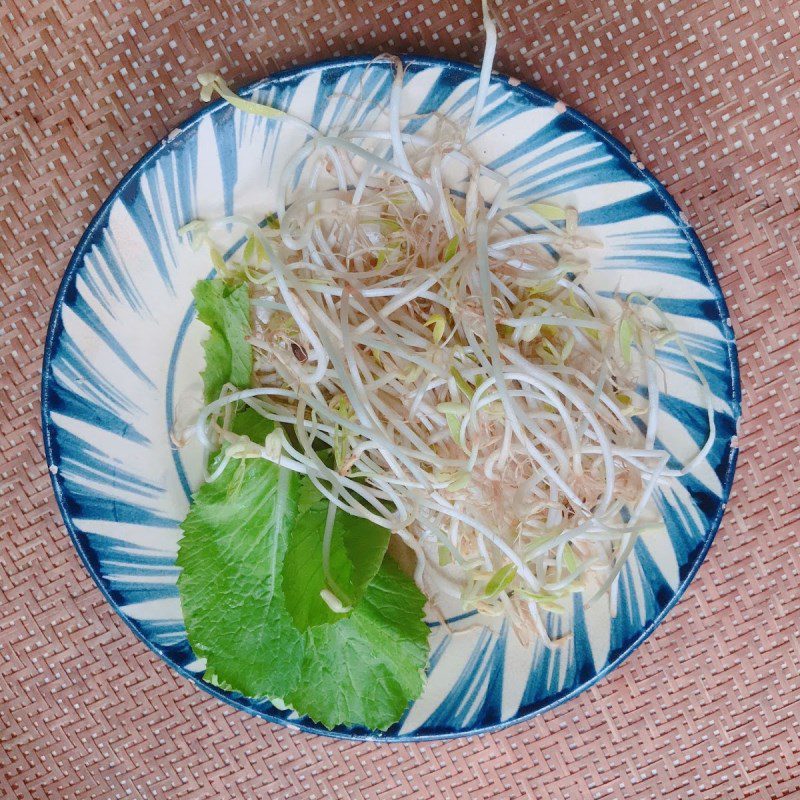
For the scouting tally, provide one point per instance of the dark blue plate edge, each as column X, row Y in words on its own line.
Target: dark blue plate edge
column 100, row 219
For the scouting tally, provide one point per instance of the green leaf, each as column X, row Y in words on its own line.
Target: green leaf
column 357, row 549
column 216, row 259
column 229, row 358
column 249, row 249
column 500, row 580
column 462, row 383
column 571, row 562
column 245, row 422
column 365, row 669
column 249, row 423
column 235, row 538
column 548, row 211
column 439, row 324
column 454, row 426
column 546, row 602
column 451, row 249
column 390, row 226
column 214, row 680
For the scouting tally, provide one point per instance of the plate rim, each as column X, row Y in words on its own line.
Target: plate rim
column 182, row 129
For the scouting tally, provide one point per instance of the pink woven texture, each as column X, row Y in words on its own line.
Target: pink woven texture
column 707, row 94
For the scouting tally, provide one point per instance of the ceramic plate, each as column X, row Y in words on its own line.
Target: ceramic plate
column 124, row 349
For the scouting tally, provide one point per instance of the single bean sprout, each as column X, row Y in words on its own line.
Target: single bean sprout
column 470, row 391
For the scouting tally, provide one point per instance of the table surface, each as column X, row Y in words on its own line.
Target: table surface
column 707, row 95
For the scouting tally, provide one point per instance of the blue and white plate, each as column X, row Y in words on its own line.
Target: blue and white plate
column 124, row 352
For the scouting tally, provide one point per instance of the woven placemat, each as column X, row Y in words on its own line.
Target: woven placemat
column 707, row 95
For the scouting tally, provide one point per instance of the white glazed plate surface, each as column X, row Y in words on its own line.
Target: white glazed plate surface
column 124, row 349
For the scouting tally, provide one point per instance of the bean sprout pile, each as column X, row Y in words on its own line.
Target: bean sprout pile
column 438, row 366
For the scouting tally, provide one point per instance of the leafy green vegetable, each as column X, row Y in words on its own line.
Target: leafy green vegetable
column 357, row 549
column 250, row 583
column 214, row 680
column 364, row 670
column 247, row 422
column 229, row 358
column 252, row 579
column 242, row 554
column 235, row 538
